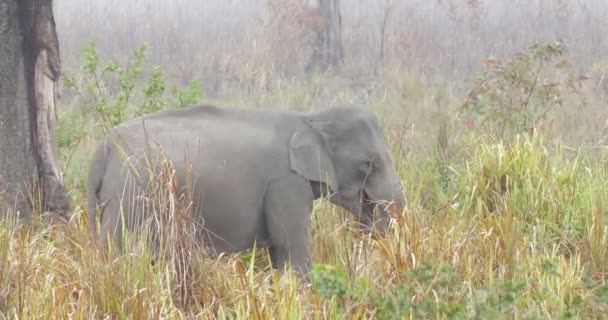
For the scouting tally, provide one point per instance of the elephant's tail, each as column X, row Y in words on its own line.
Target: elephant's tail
column 94, row 182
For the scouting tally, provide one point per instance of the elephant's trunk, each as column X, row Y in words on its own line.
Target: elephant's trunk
column 396, row 208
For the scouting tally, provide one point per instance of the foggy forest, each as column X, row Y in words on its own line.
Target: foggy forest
column 495, row 116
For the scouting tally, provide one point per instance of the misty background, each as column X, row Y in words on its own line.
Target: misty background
column 233, row 46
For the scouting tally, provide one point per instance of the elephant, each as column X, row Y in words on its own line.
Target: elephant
column 257, row 173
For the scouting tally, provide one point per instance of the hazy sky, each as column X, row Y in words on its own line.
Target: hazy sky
column 448, row 31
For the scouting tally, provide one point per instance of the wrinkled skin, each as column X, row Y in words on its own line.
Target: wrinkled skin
column 257, row 174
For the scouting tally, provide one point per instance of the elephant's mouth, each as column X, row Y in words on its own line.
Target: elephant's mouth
column 375, row 215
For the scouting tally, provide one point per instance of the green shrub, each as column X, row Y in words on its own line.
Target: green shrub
column 111, row 92
column 518, row 95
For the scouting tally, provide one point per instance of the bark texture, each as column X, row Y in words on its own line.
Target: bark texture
column 29, row 68
column 328, row 50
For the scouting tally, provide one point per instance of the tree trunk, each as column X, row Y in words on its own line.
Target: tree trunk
column 388, row 7
column 328, row 51
column 30, row 180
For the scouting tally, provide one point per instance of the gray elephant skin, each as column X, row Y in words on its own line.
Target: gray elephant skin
column 257, row 173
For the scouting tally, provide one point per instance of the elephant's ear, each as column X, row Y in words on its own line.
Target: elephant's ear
column 310, row 157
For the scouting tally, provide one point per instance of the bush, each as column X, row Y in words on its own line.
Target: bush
column 113, row 93
column 518, row 95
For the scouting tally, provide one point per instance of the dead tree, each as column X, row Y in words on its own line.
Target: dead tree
column 388, row 8
column 327, row 50
column 29, row 70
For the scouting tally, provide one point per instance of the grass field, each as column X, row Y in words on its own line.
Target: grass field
column 500, row 224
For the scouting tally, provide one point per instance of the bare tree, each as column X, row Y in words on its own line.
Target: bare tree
column 388, row 8
column 328, row 50
column 29, row 70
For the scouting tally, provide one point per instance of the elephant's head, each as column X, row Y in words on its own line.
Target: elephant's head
column 344, row 150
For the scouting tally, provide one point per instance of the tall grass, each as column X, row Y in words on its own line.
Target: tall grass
column 520, row 232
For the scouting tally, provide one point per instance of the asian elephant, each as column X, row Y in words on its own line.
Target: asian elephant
column 257, row 174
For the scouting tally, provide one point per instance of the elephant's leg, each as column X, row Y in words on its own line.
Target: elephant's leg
column 110, row 226
column 120, row 218
column 287, row 209
column 297, row 257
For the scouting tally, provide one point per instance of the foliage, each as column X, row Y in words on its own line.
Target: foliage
column 432, row 289
column 70, row 130
column 518, row 95
column 113, row 92
column 329, row 281
column 189, row 95
column 153, row 91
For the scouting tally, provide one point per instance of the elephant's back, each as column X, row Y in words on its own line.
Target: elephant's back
column 217, row 141
column 220, row 137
